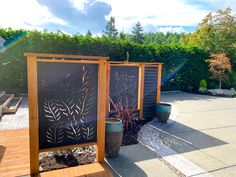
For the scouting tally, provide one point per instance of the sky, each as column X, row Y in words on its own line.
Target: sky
column 79, row 16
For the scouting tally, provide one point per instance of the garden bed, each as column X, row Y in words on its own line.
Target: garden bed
column 80, row 156
column 219, row 93
column 131, row 137
column 67, row 158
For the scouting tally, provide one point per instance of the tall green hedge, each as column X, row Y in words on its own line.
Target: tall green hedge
column 13, row 75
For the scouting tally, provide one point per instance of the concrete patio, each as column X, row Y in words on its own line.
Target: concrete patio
column 200, row 140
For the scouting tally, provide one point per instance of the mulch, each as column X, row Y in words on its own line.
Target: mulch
column 53, row 161
column 131, row 137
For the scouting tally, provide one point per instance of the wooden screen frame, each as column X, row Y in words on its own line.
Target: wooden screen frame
column 32, row 60
column 141, row 66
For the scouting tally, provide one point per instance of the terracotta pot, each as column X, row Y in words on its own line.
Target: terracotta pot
column 114, row 135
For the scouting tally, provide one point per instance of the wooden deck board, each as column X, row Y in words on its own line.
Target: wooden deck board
column 91, row 170
column 14, row 152
column 14, row 159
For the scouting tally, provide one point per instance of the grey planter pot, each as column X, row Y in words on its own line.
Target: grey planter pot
column 114, row 135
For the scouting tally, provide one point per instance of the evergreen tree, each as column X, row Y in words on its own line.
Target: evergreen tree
column 110, row 29
column 137, row 33
column 122, row 35
column 89, row 34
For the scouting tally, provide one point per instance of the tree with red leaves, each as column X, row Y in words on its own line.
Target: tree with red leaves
column 219, row 65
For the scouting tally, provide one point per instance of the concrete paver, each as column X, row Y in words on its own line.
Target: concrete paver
column 138, row 161
column 209, row 125
column 18, row 120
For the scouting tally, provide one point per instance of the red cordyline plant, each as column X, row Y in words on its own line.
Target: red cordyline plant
column 127, row 113
column 219, row 65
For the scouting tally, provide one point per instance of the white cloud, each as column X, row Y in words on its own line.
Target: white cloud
column 159, row 12
column 28, row 14
column 177, row 14
column 171, row 29
column 79, row 4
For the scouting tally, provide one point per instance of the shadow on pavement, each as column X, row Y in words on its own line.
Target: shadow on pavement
column 177, row 137
column 125, row 163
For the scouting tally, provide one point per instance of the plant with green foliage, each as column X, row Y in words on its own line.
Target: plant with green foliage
column 110, row 29
column 137, row 33
column 89, row 34
column 122, row 35
column 216, row 33
column 13, row 71
column 203, row 86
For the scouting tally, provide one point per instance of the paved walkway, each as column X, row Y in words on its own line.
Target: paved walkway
column 139, row 161
column 18, row 120
column 202, row 140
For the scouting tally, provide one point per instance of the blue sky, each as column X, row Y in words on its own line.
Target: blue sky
column 73, row 16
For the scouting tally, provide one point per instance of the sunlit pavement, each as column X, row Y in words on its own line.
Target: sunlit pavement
column 199, row 140
column 18, row 120
column 202, row 139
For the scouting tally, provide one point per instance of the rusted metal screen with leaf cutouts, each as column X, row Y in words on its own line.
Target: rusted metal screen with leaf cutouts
column 67, row 103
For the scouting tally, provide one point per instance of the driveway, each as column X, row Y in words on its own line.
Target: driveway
column 202, row 139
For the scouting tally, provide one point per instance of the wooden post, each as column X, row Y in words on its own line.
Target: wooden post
column 108, row 87
column 141, row 89
column 33, row 113
column 102, row 100
column 159, row 83
column 103, row 71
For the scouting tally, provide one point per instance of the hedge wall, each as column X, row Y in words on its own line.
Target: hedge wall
column 13, row 76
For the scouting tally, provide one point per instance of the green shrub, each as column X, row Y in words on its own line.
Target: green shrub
column 13, row 72
column 203, row 84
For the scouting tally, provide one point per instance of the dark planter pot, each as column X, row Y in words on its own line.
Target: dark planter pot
column 163, row 111
column 114, row 135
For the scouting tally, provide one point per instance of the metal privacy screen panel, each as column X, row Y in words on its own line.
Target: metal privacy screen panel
column 124, row 86
column 150, row 92
column 67, row 103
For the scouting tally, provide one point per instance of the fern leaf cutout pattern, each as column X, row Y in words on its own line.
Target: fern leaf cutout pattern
column 67, row 108
column 67, row 103
column 55, row 133
column 85, row 103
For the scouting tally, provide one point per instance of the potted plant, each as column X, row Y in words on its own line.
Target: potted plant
column 122, row 117
column 163, row 111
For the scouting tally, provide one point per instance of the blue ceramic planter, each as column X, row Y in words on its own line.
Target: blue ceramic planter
column 163, row 111
column 114, row 136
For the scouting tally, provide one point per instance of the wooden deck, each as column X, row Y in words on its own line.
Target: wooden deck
column 14, row 159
